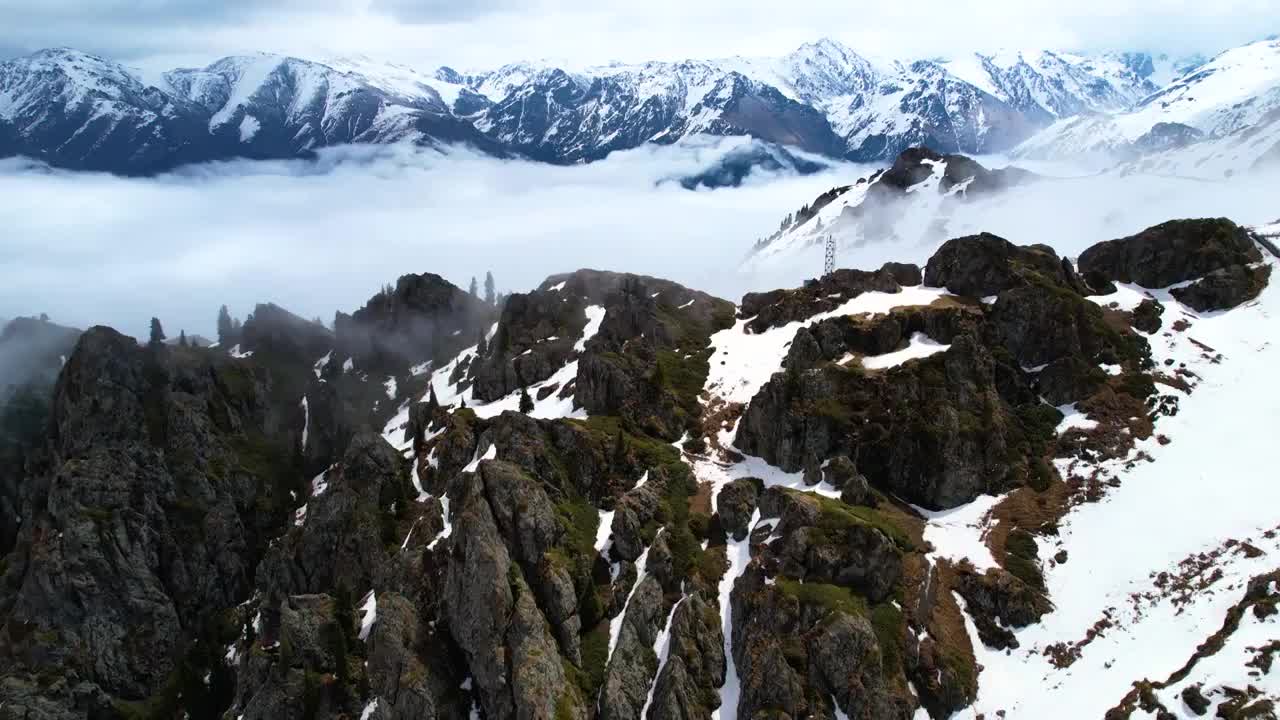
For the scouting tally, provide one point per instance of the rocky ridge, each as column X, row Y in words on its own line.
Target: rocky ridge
column 624, row 499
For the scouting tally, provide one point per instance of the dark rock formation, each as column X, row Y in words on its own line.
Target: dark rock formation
column 997, row 600
column 1146, row 316
column 423, row 318
column 779, row 307
column 1225, row 288
column 1169, row 253
column 173, row 455
column 984, row 265
column 735, row 504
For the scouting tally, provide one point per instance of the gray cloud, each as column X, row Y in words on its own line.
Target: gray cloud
column 492, row 32
column 442, row 11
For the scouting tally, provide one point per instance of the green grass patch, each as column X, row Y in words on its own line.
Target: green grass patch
column 835, row 516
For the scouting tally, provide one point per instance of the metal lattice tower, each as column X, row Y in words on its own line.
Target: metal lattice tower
column 830, row 265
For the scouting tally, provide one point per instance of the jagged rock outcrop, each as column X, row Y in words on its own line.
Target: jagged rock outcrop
column 422, row 318
column 687, row 686
column 173, row 453
column 779, row 307
column 735, row 504
column 32, row 351
column 643, row 361
column 345, row 528
column 494, row 619
column 824, row 541
column 797, row 646
column 943, row 428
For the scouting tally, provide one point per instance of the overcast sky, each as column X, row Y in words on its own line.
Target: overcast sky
column 480, row 33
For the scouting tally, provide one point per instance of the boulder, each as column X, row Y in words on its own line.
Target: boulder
column 1146, row 316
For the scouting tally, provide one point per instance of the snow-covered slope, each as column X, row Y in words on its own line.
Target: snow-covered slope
column 1231, row 93
column 1195, row 526
column 911, row 205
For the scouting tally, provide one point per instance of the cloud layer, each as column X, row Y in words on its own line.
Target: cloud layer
column 491, row 32
column 320, row 237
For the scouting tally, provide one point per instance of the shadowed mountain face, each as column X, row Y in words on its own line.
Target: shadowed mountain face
column 617, row 497
column 78, row 111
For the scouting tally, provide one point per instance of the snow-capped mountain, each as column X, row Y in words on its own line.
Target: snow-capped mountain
column 79, row 111
column 1233, row 92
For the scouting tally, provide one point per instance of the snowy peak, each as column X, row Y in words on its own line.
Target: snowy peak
column 1234, row 93
column 823, row 97
column 1222, row 95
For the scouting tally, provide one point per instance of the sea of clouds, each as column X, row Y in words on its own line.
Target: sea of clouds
column 324, row 235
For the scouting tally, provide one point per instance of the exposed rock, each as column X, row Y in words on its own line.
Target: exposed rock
column 633, row 664
column 735, row 503
column 1225, row 288
column 153, row 448
column 342, row 541
column 925, row 431
column 493, row 618
column 1146, row 316
column 1169, row 253
column 796, row 645
column 985, row 264
column 842, row 473
column 1040, row 324
column 997, row 600
column 1069, row 379
column 635, row 510
column 424, row 317
column 779, row 307
column 824, row 541
column 687, row 688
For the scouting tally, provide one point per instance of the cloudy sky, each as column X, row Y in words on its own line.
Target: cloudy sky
column 477, row 33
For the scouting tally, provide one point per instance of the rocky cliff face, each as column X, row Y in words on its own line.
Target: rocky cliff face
column 628, row 500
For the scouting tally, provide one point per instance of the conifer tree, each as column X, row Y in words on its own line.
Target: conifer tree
column 475, row 288
column 157, row 333
column 182, row 338
column 490, row 291
column 526, row 402
column 225, row 327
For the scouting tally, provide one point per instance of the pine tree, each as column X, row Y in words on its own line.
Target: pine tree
column 475, row 288
column 620, row 449
column 157, row 333
column 526, row 402
column 432, row 402
column 490, row 291
column 225, row 328
column 182, row 338
column 482, row 345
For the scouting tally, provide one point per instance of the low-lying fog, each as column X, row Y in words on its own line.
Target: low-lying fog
column 316, row 237
column 319, row 236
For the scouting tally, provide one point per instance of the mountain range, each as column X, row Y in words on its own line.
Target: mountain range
column 79, row 111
